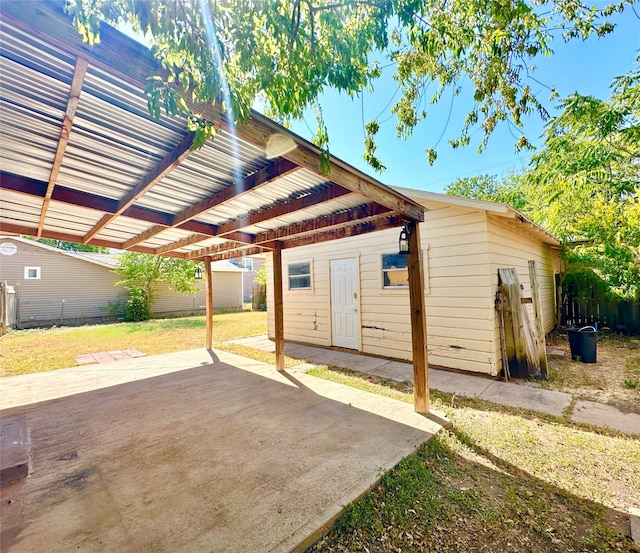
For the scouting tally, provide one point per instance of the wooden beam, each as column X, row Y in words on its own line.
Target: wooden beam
column 278, row 168
column 10, row 228
column 252, row 250
column 344, row 232
column 143, row 236
column 157, row 229
column 37, row 188
column 361, row 213
column 188, row 241
column 162, row 169
column 278, row 305
column 539, row 320
column 243, row 237
column 72, row 105
column 218, row 248
column 320, row 196
column 209, row 303
column 418, row 321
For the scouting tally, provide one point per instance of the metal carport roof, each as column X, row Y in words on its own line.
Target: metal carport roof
column 82, row 159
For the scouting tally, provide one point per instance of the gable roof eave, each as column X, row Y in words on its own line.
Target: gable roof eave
column 498, row 209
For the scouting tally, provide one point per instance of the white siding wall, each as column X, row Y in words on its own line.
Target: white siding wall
column 85, row 287
column 459, row 293
column 170, row 301
column 511, row 244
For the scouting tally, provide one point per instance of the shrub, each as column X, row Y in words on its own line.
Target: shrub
column 138, row 306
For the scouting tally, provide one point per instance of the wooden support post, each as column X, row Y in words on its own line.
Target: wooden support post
column 418, row 321
column 208, row 301
column 4, row 298
column 503, row 340
column 278, row 305
column 537, row 313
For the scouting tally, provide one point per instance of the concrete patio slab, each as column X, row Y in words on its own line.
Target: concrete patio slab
column 609, row 416
column 188, row 452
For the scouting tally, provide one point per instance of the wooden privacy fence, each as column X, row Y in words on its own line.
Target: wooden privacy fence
column 522, row 342
column 620, row 316
column 8, row 307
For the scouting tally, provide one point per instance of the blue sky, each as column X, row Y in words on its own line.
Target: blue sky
column 587, row 67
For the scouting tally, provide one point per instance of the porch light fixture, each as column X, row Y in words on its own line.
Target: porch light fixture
column 403, row 241
column 198, row 274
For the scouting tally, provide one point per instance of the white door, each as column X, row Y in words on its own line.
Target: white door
column 345, row 318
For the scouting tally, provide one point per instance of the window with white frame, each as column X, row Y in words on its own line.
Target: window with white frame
column 247, row 263
column 300, row 276
column 395, row 273
column 32, row 273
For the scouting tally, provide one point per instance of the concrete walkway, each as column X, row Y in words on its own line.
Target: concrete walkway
column 502, row 393
column 193, row 451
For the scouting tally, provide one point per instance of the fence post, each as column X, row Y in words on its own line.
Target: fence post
column 537, row 313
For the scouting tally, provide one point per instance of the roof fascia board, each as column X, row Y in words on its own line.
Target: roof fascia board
column 501, row 210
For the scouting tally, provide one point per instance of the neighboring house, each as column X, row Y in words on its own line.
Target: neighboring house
column 252, row 264
column 353, row 292
column 60, row 287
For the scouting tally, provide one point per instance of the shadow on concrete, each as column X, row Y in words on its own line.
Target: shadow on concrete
column 225, row 456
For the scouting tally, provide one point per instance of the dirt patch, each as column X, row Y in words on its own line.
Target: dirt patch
column 614, row 379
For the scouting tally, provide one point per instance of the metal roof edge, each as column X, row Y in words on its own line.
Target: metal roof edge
column 277, row 127
column 453, row 200
column 55, row 250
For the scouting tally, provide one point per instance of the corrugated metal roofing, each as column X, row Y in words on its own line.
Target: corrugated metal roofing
column 115, row 145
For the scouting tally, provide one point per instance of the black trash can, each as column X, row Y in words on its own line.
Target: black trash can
column 583, row 344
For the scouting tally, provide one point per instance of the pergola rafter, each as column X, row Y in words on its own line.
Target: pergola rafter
column 72, row 105
column 278, row 168
column 168, row 163
column 362, row 213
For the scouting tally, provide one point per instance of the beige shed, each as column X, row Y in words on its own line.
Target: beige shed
column 353, row 293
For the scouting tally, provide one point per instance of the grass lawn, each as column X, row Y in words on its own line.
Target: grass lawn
column 497, row 480
column 38, row 350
